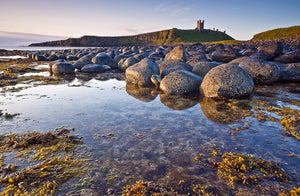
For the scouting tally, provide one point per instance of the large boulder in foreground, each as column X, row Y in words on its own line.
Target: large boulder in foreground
column 227, row 80
column 178, row 53
column 261, row 71
column 63, row 68
column 181, row 82
column 141, row 72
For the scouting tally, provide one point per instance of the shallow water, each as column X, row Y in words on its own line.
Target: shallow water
column 156, row 136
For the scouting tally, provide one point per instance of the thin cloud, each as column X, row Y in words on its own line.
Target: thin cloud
column 129, row 31
column 173, row 10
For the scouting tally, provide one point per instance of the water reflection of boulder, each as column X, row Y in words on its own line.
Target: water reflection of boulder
column 83, row 76
column 67, row 77
column 222, row 111
column 177, row 102
column 141, row 93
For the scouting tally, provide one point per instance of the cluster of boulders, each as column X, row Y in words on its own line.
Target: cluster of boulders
column 229, row 71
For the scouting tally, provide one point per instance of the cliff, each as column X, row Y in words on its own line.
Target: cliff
column 171, row 36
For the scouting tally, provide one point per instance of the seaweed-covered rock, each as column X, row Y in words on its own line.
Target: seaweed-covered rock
column 261, row 71
column 141, row 72
column 181, row 82
column 227, row 80
column 177, row 53
column 203, row 67
column 63, row 68
column 95, row 68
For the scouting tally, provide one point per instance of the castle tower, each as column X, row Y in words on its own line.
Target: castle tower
column 200, row 25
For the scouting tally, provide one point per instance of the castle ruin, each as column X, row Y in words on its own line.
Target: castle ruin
column 200, row 25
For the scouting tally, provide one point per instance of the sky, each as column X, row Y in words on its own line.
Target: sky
column 26, row 21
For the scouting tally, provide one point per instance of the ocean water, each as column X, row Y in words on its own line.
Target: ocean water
column 156, row 136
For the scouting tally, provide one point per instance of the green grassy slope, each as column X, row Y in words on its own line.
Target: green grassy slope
column 170, row 36
column 280, row 33
column 190, row 36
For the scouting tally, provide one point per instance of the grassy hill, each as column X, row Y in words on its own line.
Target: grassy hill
column 171, row 36
column 280, row 33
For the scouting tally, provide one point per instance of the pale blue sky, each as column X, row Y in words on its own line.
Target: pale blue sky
column 74, row 18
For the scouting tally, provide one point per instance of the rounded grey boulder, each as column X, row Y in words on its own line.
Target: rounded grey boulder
column 141, row 72
column 181, row 82
column 63, row 68
column 227, row 80
column 261, row 71
column 171, row 62
column 52, row 57
column 177, row 53
column 172, row 68
column 80, row 63
column 94, row 68
column 103, row 59
column 224, row 55
column 128, row 62
column 203, row 67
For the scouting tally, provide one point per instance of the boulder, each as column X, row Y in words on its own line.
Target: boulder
column 104, row 59
column 40, row 58
column 289, row 76
column 239, row 60
column 128, row 62
column 224, row 55
column 248, row 52
column 94, row 68
column 82, row 62
column 53, row 57
column 164, row 64
column 178, row 53
column 63, row 68
column 271, row 50
column 72, row 57
column 172, row 68
column 262, row 72
column 141, row 72
column 181, row 82
column 202, row 67
column 289, row 57
column 62, row 56
column 292, row 66
column 227, row 80
column 159, row 54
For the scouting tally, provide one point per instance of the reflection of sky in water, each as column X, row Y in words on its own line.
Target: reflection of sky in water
column 112, row 107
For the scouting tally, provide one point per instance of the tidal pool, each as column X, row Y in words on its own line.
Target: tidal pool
column 134, row 134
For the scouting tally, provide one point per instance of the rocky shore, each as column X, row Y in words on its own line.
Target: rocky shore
column 217, row 71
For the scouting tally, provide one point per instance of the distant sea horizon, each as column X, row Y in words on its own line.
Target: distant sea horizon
column 30, row 48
